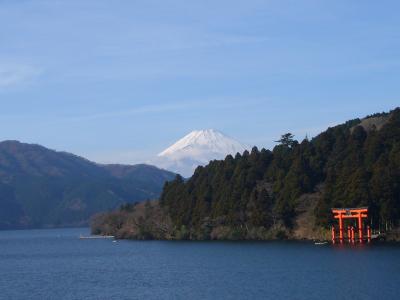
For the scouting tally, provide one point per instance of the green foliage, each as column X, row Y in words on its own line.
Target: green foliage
column 183, row 233
column 260, row 189
column 287, row 140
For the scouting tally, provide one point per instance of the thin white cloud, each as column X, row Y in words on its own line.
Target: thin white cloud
column 13, row 75
column 137, row 111
column 215, row 103
column 167, row 38
column 212, row 41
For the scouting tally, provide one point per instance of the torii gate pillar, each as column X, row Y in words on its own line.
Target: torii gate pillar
column 350, row 213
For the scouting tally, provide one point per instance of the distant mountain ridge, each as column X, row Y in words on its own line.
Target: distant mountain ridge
column 42, row 187
column 198, row 148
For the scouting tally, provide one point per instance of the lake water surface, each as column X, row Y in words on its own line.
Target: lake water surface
column 55, row 264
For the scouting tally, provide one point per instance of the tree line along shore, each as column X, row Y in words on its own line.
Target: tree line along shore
column 284, row 193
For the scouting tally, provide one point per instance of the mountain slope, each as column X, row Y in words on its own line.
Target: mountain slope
column 197, row 149
column 350, row 165
column 286, row 192
column 41, row 187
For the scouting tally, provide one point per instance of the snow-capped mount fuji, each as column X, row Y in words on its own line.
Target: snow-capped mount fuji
column 197, row 149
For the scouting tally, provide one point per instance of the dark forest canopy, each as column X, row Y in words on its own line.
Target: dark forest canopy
column 353, row 164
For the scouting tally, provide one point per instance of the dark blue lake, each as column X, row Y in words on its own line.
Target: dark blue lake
column 55, row 264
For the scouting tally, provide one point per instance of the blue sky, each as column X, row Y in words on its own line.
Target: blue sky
column 119, row 81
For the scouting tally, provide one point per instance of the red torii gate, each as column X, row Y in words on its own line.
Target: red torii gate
column 350, row 213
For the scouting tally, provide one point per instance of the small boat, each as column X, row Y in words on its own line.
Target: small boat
column 82, row 237
column 375, row 236
column 320, row 242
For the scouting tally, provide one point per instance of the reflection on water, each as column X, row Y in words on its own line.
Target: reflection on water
column 56, row 264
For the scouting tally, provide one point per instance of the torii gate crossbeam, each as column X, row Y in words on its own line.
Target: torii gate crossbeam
column 350, row 213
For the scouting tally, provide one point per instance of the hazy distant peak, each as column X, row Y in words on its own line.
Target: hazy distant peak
column 208, row 139
column 198, row 148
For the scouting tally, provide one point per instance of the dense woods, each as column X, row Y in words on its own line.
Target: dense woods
column 356, row 164
column 262, row 194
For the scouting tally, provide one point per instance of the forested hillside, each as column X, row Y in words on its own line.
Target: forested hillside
column 262, row 193
column 41, row 187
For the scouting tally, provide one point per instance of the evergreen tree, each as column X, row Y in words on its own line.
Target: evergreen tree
column 354, row 167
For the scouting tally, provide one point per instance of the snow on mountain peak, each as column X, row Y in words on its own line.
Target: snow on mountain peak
column 209, row 139
column 198, row 148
